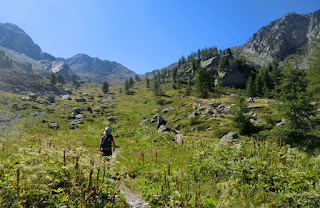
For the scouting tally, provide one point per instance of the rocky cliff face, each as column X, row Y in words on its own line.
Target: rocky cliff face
column 60, row 67
column 98, row 70
column 289, row 35
column 14, row 38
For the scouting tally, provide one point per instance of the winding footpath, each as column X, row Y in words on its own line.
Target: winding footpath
column 133, row 199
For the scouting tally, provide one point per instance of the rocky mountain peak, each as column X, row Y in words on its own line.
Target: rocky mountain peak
column 14, row 38
column 291, row 34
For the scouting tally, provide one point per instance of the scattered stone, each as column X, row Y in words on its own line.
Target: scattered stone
column 281, row 123
column 192, row 115
column 110, row 98
column 110, row 119
column 32, row 96
column 26, row 99
column 202, row 109
column 65, row 97
column 178, row 138
column 90, row 98
column 54, row 126
column 76, row 110
column 36, row 114
column 250, row 99
column 15, row 107
column 73, row 126
column 162, row 128
column 45, row 121
column 143, row 121
column 255, row 106
column 254, row 122
column 267, row 102
column 229, row 138
column 76, row 122
column 208, row 112
column 175, row 120
column 81, row 99
column 167, row 109
column 80, row 116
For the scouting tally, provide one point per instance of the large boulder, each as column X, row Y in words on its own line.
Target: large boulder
column 231, row 77
column 192, row 115
column 81, row 99
column 229, row 138
column 54, row 126
column 60, row 67
column 65, row 97
column 162, row 128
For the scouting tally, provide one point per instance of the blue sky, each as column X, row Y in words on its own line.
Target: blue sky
column 143, row 35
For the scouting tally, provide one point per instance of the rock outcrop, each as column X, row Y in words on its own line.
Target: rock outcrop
column 291, row 34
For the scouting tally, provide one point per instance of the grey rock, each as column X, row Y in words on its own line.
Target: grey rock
column 178, row 138
column 192, row 115
column 162, row 128
column 76, row 122
column 26, row 99
column 231, row 77
column 175, row 120
column 76, row 110
column 255, row 106
column 36, row 114
column 202, row 109
column 229, row 138
column 210, row 62
column 281, row 123
column 60, row 67
column 73, row 126
column 208, row 112
column 54, row 126
column 33, row 96
column 112, row 120
column 81, row 99
column 15, row 107
column 143, row 121
column 65, row 97
column 250, row 99
column 254, row 122
column 80, row 116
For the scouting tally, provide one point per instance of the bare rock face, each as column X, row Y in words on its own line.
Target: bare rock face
column 229, row 138
column 231, row 77
column 60, row 67
column 291, row 34
column 14, row 38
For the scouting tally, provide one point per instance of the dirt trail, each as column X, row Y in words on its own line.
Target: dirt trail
column 133, row 199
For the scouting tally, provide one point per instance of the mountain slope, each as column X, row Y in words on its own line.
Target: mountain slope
column 287, row 37
column 14, row 38
column 98, row 70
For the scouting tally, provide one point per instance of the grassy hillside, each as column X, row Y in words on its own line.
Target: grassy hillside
column 256, row 171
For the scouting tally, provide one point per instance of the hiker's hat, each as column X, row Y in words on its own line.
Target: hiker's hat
column 107, row 130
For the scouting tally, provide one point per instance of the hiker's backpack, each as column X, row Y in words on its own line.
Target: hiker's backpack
column 106, row 141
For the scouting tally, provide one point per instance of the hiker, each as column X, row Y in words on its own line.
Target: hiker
column 105, row 142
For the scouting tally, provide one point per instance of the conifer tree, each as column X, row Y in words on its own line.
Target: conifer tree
column 105, row 87
column 60, row 79
column 179, row 84
column 203, row 83
column 250, row 88
column 131, row 82
column 240, row 119
column 187, row 91
column 296, row 108
column 53, row 78
column 147, row 83
column 126, row 87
